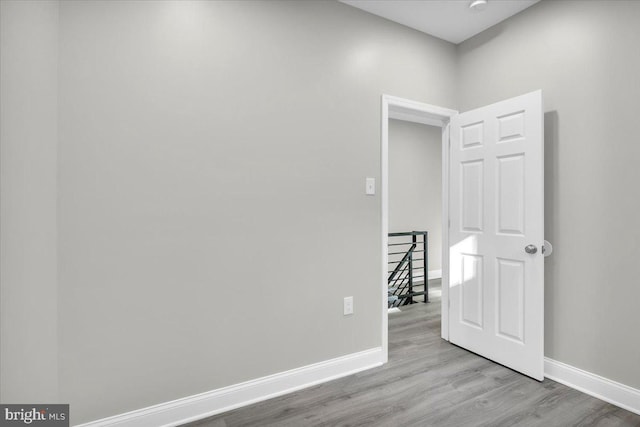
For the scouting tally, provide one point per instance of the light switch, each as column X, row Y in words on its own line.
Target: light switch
column 370, row 187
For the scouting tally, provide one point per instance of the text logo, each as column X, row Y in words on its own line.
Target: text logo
column 34, row 415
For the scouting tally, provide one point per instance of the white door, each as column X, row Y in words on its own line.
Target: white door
column 496, row 210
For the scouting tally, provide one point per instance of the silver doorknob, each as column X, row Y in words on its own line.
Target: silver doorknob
column 531, row 249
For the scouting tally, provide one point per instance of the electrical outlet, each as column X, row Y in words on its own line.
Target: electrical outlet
column 348, row 306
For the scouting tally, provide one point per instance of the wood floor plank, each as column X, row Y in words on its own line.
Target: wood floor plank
column 429, row 382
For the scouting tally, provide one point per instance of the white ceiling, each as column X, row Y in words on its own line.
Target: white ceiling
column 450, row 20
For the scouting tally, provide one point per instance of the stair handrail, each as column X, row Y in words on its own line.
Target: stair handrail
column 405, row 259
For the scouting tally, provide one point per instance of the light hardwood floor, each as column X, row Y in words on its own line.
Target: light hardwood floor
column 429, row 382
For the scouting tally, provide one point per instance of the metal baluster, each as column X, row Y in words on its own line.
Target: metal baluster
column 425, row 265
column 413, row 245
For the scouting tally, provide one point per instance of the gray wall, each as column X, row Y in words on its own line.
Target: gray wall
column 585, row 59
column 415, row 182
column 190, row 130
column 28, row 143
column 202, row 145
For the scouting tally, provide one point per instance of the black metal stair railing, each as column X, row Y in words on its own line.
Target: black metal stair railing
column 408, row 267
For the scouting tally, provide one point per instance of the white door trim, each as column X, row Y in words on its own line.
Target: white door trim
column 418, row 112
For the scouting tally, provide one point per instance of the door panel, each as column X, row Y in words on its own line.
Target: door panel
column 510, row 193
column 472, row 192
column 496, row 210
column 510, row 294
column 471, row 296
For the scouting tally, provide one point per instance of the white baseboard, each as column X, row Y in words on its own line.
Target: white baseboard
column 604, row 389
column 213, row 402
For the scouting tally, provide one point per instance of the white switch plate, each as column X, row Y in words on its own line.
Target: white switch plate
column 348, row 305
column 370, row 186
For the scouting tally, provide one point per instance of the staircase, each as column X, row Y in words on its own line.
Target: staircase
column 408, row 267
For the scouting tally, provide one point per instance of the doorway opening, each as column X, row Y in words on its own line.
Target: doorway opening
column 415, row 213
column 415, row 127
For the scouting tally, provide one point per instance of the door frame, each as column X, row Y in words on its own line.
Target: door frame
column 394, row 107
